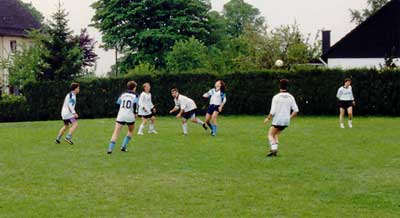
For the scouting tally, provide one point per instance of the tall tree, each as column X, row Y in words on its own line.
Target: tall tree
column 359, row 16
column 146, row 30
column 241, row 15
column 35, row 13
column 87, row 45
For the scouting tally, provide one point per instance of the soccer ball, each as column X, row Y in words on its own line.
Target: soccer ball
column 279, row 63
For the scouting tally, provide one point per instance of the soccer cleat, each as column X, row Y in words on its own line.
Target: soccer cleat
column 57, row 141
column 109, row 152
column 350, row 125
column 124, row 149
column 153, row 131
column 342, row 125
column 69, row 141
column 272, row 154
column 205, row 126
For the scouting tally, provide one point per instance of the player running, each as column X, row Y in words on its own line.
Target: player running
column 346, row 102
column 126, row 116
column 217, row 101
column 283, row 109
column 146, row 110
column 187, row 110
column 69, row 114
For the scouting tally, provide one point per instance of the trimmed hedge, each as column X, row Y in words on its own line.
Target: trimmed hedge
column 13, row 108
column 377, row 93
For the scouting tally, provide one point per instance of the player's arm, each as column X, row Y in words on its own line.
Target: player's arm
column 71, row 107
column 221, row 107
column 352, row 98
column 207, row 94
column 339, row 93
column 173, row 110
column 272, row 111
column 179, row 115
column 268, row 118
column 295, row 109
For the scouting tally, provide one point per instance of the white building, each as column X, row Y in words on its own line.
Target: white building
column 15, row 22
column 370, row 44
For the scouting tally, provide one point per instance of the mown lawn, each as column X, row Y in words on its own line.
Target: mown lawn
column 322, row 170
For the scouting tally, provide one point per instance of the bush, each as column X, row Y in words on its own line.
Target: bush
column 13, row 108
column 376, row 92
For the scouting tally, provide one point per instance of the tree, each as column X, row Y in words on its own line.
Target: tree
column 359, row 16
column 241, row 15
column 64, row 57
column 146, row 30
column 187, row 55
column 87, row 46
column 35, row 13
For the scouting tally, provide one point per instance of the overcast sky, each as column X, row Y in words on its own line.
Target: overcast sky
column 311, row 15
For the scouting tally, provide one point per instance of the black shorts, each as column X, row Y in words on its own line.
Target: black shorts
column 148, row 116
column 212, row 108
column 345, row 104
column 70, row 121
column 125, row 123
column 281, row 128
column 189, row 114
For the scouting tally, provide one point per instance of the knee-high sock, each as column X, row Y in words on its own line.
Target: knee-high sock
column 151, row 127
column 200, row 122
column 141, row 127
column 126, row 141
column 274, row 147
column 111, row 146
column 185, row 128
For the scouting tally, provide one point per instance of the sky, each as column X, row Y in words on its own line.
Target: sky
column 311, row 15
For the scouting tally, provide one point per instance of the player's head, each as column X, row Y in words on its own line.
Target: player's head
column 74, row 87
column 284, row 84
column 220, row 85
column 347, row 82
column 131, row 85
column 146, row 87
column 174, row 92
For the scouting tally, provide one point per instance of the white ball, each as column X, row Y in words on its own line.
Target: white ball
column 279, row 63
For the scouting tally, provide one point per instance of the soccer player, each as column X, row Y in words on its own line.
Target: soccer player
column 146, row 110
column 346, row 102
column 283, row 109
column 69, row 115
column 126, row 116
column 187, row 110
column 217, row 101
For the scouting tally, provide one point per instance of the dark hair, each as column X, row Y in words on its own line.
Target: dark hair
column 346, row 80
column 131, row 85
column 174, row 90
column 73, row 86
column 284, row 84
column 223, row 86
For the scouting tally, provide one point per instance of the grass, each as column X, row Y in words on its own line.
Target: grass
column 322, row 171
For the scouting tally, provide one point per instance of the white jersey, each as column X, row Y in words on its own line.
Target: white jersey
column 216, row 97
column 184, row 103
column 345, row 94
column 282, row 106
column 127, row 107
column 145, row 104
column 68, row 109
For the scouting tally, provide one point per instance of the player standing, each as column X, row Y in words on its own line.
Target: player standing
column 283, row 109
column 187, row 110
column 69, row 114
column 126, row 116
column 346, row 102
column 146, row 110
column 217, row 101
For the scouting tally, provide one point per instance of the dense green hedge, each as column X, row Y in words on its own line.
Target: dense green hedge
column 13, row 108
column 377, row 93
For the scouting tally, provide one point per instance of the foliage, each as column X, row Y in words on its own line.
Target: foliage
column 146, row 30
column 240, row 15
column 142, row 69
column 359, row 16
column 187, row 56
column 87, row 46
column 13, row 108
column 35, row 13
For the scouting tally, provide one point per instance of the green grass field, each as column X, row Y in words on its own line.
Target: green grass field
column 322, row 171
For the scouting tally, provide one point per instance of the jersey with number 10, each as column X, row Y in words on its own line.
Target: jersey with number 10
column 127, row 107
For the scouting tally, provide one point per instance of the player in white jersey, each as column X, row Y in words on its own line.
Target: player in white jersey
column 69, row 115
column 126, row 116
column 146, row 110
column 283, row 109
column 187, row 110
column 346, row 102
column 217, row 101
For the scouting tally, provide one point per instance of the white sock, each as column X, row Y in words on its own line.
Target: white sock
column 151, row 127
column 141, row 127
column 185, row 128
column 274, row 147
column 200, row 122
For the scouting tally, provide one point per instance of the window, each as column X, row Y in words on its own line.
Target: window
column 13, row 46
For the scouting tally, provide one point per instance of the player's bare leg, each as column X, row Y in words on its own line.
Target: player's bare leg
column 151, row 126
column 341, row 117
column 184, row 126
column 194, row 119
column 61, row 133
column 68, row 138
column 273, row 136
column 142, row 125
column 128, row 137
column 214, row 123
column 114, row 137
column 350, row 114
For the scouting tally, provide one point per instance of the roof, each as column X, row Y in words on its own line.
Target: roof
column 15, row 20
column 376, row 37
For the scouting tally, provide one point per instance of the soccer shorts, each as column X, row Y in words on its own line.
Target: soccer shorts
column 281, row 128
column 212, row 108
column 70, row 121
column 189, row 114
column 125, row 123
column 345, row 104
